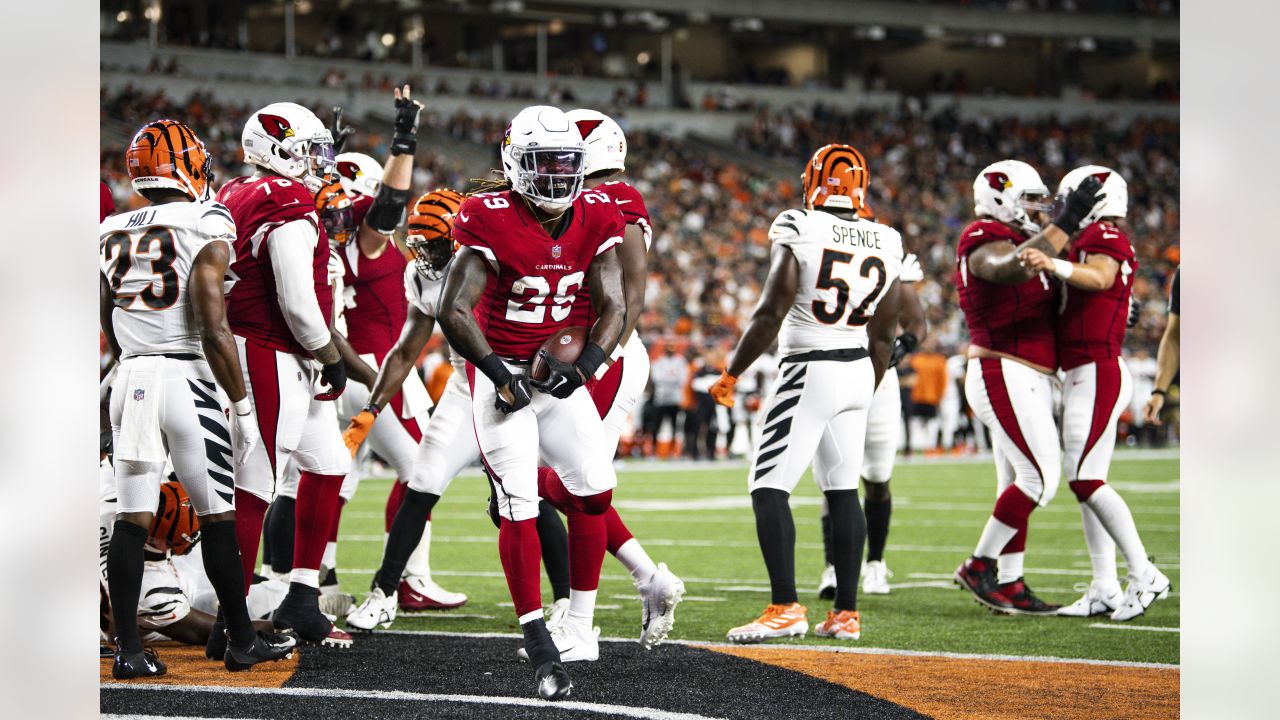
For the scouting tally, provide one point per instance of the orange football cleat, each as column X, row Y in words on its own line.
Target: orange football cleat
column 778, row 621
column 841, row 625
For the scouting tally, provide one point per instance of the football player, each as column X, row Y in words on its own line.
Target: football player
column 280, row 312
column 525, row 252
column 162, row 311
column 1009, row 311
column 1098, row 281
column 831, row 299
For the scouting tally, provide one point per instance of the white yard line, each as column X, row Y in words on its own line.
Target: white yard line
column 1148, row 628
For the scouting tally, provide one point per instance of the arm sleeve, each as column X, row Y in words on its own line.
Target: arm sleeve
column 1175, row 307
column 291, row 248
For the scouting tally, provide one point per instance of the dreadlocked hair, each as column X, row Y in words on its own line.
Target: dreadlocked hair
column 479, row 186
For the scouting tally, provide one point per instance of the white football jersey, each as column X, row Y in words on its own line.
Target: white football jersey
column 845, row 268
column 424, row 295
column 146, row 258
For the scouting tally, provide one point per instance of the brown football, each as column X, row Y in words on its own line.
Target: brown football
column 565, row 345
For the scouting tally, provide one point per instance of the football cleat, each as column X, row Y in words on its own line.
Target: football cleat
column 215, row 648
column 875, row 578
column 300, row 611
column 841, row 625
column 1143, row 589
column 376, row 610
column 576, row 643
column 978, row 576
column 336, row 604
column 557, row 613
column 128, row 666
column 265, row 647
column 827, row 585
column 777, row 621
column 418, row 593
column 1098, row 599
column 1024, row 601
column 659, row 596
column 553, row 681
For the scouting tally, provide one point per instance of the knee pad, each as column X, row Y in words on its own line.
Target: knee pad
column 1084, row 489
column 1040, row 488
column 597, row 504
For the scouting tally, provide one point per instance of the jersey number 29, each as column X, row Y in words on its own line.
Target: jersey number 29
column 534, row 309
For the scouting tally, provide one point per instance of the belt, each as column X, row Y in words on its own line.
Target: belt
column 185, row 357
column 841, row 355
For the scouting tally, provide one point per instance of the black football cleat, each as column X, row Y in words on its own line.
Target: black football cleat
column 264, row 648
column 300, row 612
column 1024, row 601
column 215, row 648
column 978, row 576
column 105, row 651
column 128, row 666
column 553, row 681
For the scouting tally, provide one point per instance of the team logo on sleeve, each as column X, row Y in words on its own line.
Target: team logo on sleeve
column 998, row 181
column 276, row 126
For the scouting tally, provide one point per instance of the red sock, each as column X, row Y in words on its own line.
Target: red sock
column 616, row 531
column 521, row 554
column 1018, row 543
column 393, row 503
column 250, row 510
column 1013, row 508
column 587, row 537
column 337, row 518
column 315, row 512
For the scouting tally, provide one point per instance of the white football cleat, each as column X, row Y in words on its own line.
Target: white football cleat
column 1142, row 590
column 875, row 578
column 659, row 597
column 576, row 643
column 827, row 585
column 1098, row 599
column 557, row 613
column 377, row 609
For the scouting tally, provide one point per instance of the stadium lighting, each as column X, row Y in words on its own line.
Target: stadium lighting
column 152, row 13
column 643, row 58
column 556, row 26
column 122, row 16
column 1087, row 44
column 995, row 40
column 388, row 40
column 876, row 32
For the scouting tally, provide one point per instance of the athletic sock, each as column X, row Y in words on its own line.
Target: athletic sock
column 537, row 640
column 266, row 538
column 617, row 533
column 1114, row 514
column 555, row 549
column 393, row 504
column 249, row 512
column 419, row 562
column 828, row 549
column 582, row 607
column 280, row 531
column 1102, row 549
column 406, row 531
column 637, row 562
column 314, row 511
column 586, row 556
column 221, row 558
column 1009, row 567
column 848, row 533
column 776, row 532
column 877, row 513
column 125, row 561
column 1012, row 509
column 519, row 549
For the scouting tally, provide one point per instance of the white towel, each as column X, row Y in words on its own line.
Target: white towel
column 139, row 383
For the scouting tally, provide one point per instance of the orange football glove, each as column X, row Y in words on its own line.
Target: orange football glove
column 722, row 391
column 358, row 430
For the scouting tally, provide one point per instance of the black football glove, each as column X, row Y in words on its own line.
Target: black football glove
column 104, row 442
column 335, row 374
column 519, row 387
column 340, row 132
column 493, row 502
column 405, row 140
column 1135, row 313
column 902, row 347
column 1078, row 204
column 562, row 377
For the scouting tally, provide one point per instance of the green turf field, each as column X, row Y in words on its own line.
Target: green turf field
column 699, row 522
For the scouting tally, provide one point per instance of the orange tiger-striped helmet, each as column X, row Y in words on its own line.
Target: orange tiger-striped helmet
column 431, row 231
column 175, row 526
column 167, row 155
column 836, row 177
column 336, row 212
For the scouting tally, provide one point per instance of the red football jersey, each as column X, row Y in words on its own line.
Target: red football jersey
column 1092, row 324
column 259, row 205
column 1017, row 320
column 106, row 203
column 375, row 307
column 535, row 277
column 634, row 212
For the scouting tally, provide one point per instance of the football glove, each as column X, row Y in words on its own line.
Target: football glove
column 335, row 375
column 902, row 346
column 245, row 425
column 358, row 429
column 104, row 442
column 1135, row 313
column 722, row 390
column 562, row 377
column 405, row 139
column 339, row 131
column 519, row 386
column 1078, row 204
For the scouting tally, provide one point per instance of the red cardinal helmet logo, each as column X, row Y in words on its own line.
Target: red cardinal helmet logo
column 348, row 170
column 276, row 126
column 997, row 180
column 586, row 127
column 1102, row 176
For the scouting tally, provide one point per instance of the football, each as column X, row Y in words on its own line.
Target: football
column 565, row 345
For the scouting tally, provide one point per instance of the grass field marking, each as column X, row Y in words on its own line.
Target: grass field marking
column 1148, row 628
column 403, row 696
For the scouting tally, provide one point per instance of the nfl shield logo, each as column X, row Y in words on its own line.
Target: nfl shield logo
column 555, row 252
column 139, row 393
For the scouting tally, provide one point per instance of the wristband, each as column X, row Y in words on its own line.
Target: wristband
column 909, row 340
column 494, row 369
column 403, row 144
column 1158, row 391
column 372, row 409
column 1062, row 268
column 591, row 358
column 242, row 406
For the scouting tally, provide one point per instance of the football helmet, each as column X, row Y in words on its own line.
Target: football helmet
column 336, row 213
column 605, row 143
column 289, row 139
column 1116, row 202
column 361, row 174
column 836, row 177
column 542, row 158
column 175, row 526
column 430, row 234
column 165, row 154
column 1006, row 190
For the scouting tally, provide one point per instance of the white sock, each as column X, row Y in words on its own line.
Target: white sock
column 1114, row 514
column 1009, row 568
column 636, row 561
column 582, row 606
column 530, row 616
column 994, row 537
column 330, row 557
column 310, row 578
column 419, row 564
column 1102, row 549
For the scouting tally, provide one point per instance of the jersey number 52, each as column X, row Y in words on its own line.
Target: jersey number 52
column 826, row 281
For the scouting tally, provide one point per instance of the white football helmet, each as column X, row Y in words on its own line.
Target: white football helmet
column 1116, row 202
column 606, row 144
column 358, row 173
column 289, row 139
column 542, row 158
column 1006, row 190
